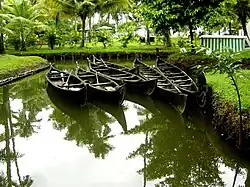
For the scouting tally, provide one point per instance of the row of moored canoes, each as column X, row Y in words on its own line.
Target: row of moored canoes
column 109, row 82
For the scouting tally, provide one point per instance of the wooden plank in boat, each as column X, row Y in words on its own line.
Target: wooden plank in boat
column 177, row 77
column 86, row 76
column 153, row 76
column 163, row 84
column 170, row 73
column 186, row 85
column 101, row 69
column 178, row 81
column 119, row 74
column 102, row 83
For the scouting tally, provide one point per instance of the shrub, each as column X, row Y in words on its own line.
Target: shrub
column 190, row 59
column 126, row 32
column 103, row 36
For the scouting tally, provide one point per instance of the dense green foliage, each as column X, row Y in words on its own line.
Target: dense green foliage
column 176, row 15
column 59, row 23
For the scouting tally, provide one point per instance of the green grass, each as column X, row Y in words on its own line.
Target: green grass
column 222, row 85
column 243, row 54
column 11, row 64
column 134, row 47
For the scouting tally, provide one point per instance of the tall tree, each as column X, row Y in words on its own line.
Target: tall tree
column 80, row 8
column 178, row 14
column 242, row 9
column 222, row 17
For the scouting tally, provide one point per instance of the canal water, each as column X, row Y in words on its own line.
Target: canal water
column 143, row 143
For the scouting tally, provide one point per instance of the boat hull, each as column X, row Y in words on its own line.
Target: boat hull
column 101, row 88
column 76, row 97
column 116, row 96
column 178, row 100
column 67, row 86
column 141, row 87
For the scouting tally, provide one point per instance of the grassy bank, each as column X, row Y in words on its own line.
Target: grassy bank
column 222, row 86
column 11, row 65
column 94, row 49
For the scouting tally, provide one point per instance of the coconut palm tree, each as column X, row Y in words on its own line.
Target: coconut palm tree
column 80, row 8
column 87, row 8
column 26, row 18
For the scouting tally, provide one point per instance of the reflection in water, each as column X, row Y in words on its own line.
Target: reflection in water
column 9, row 153
column 151, row 145
column 87, row 126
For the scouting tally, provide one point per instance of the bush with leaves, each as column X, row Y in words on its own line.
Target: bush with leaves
column 50, row 37
column 104, row 36
column 126, row 32
column 74, row 38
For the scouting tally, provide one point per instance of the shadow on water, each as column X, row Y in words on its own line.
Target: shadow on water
column 82, row 114
column 153, row 146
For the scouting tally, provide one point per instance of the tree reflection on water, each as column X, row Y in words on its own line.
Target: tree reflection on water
column 176, row 150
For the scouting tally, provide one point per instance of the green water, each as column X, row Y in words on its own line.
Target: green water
column 142, row 143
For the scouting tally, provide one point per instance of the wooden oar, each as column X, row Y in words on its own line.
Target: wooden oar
column 66, row 83
column 94, row 59
column 97, row 80
column 103, row 62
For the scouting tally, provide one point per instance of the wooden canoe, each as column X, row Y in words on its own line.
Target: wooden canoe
column 133, row 82
column 165, row 89
column 100, row 87
column 177, row 76
column 67, row 85
column 110, row 64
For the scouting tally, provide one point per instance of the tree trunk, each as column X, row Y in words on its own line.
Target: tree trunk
column 90, row 29
column 243, row 20
column 83, row 18
column 75, row 23
column 23, row 44
column 240, row 125
column 2, row 51
column 116, row 18
column 191, row 37
column 167, row 38
column 108, row 18
column 148, row 36
column 230, row 28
